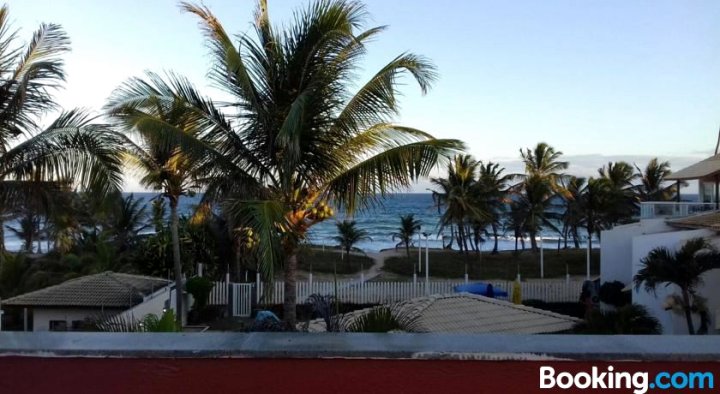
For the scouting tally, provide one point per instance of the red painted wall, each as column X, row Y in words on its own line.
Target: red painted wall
column 113, row 375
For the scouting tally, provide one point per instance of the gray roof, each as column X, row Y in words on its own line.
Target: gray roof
column 465, row 313
column 710, row 221
column 475, row 314
column 107, row 289
column 702, row 169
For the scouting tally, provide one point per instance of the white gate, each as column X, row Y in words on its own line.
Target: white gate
column 242, row 299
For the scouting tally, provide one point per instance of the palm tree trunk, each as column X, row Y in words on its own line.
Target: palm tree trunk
column 688, row 312
column 533, row 241
column 290, row 299
column 174, row 224
column 495, row 235
column 2, row 242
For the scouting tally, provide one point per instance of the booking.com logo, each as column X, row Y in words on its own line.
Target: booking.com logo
column 639, row 382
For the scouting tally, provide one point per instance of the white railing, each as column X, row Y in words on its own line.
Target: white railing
column 668, row 209
column 219, row 294
column 383, row 292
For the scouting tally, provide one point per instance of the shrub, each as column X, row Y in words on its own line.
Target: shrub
column 611, row 293
column 627, row 320
column 199, row 288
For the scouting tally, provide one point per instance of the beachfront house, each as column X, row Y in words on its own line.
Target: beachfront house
column 68, row 305
column 669, row 224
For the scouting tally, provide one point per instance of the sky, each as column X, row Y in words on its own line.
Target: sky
column 599, row 80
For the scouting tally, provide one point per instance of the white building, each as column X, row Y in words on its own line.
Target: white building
column 66, row 306
column 668, row 224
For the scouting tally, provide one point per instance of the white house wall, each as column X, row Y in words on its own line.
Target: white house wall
column 641, row 246
column 616, row 248
column 42, row 317
column 153, row 304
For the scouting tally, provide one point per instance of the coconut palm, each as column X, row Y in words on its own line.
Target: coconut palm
column 409, row 227
column 493, row 192
column 682, row 268
column 349, row 235
column 294, row 137
column 534, row 199
column 163, row 128
column 457, row 196
column 596, row 198
column 573, row 213
column 544, row 162
column 652, row 182
column 70, row 151
column 621, row 177
column 540, row 183
column 129, row 217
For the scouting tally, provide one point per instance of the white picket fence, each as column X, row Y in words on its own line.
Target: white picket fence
column 378, row 292
column 382, row 292
column 219, row 294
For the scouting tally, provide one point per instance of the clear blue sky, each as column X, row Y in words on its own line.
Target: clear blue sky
column 599, row 80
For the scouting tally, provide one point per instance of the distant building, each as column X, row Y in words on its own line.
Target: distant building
column 66, row 306
column 668, row 224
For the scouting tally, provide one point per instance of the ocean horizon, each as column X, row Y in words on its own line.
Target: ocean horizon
column 379, row 221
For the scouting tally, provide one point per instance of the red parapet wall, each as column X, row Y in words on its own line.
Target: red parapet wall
column 265, row 375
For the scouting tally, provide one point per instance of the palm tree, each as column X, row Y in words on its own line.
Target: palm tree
column 409, row 227
column 573, row 214
column 163, row 128
column 682, row 268
column 652, row 180
column 128, row 219
column 535, row 200
column 621, row 177
column 458, row 197
column 294, row 137
column 544, row 162
column 71, row 151
column 595, row 201
column 540, row 183
column 349, row 235
column 493, row 190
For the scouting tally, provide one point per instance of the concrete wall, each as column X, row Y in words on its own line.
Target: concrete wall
column 616, row 248
column 672, row 323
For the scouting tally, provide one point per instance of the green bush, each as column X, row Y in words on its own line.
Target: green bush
column 611, row 293
column 627, row 320
column 199, row 288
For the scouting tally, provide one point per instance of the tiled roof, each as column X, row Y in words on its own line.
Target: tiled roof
column 706, row 220
column 471, row 314
column 474, row 314
column 108, row 289
column 707, row 167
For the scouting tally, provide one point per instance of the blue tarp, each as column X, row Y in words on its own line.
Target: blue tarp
column 484, row 289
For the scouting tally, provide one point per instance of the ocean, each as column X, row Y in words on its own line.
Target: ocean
column 380, row 222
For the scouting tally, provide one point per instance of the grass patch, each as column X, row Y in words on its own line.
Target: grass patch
column 504, row 265
column 316, row 260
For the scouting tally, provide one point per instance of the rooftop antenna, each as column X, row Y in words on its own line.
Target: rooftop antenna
column 717, row 145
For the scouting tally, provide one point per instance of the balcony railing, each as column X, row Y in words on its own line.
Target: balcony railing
column 665, row 209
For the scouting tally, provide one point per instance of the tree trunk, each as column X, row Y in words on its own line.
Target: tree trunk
column 576, row 238
column 495, row 235
column 290, row 300
column 2, row 242
column 174, row 224
column 533, row 241
column 407, row 249
column 688, row 312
